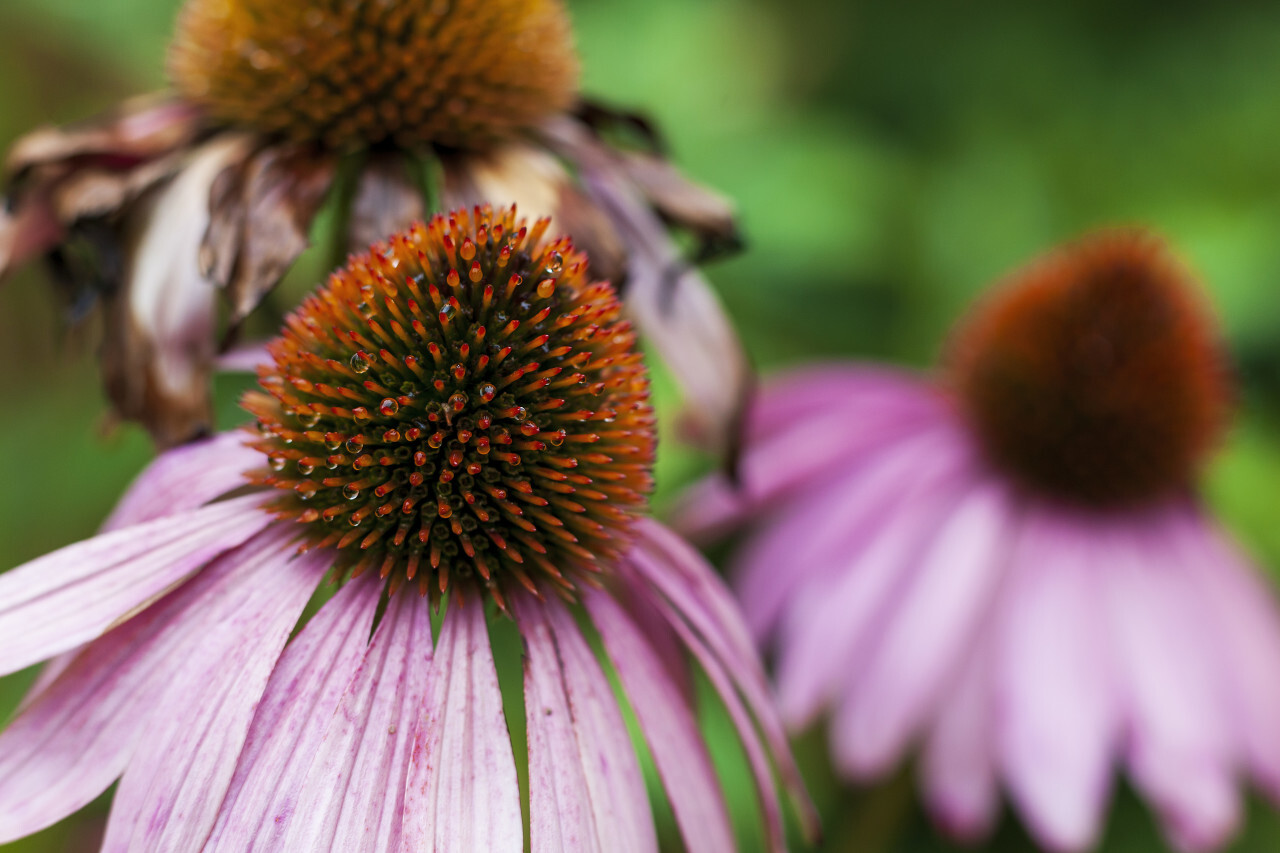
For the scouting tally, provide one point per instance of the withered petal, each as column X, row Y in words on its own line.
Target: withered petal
column 387, row 201
column 158, row 346
column 538, row 183
column 26, row 232
column 681, row 202
column 93, row 191
column 140, row 129
column 260, row 218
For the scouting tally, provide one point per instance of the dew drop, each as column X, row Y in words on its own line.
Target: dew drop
column 277, row 463
column 355, row 444
column 555, row 265
column 358, row 363
column 305, row 468
column 361, row 415
column 351, row 491
column 389, row 407
column 306, row 490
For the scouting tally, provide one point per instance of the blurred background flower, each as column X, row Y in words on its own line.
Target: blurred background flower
column 888, row 161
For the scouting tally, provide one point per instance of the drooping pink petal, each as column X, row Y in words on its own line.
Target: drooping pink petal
column 1179, row 749
column 75, row 736
column 697, row 597
column 185, row 478
column 306, row 687
column 585, row 787
column 176, row 779
column 64, row 599
column 1247, row 624
column 829, row 629
column 461, row 792
column 670, row 726
column 1059, row 722
column 351, row 799
column 27, row 232
column 936, row 618
column 958, row 761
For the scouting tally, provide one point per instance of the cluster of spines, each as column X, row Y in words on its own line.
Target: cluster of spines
column 461, row 401
column 416, row 72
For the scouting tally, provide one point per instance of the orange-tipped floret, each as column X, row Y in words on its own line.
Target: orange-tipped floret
column 351, row 74
column 1095, row 375
column 461, row 402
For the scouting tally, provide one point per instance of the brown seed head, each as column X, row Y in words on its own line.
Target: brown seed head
column 462, row 402
column 1095, row 375
column 355, row 73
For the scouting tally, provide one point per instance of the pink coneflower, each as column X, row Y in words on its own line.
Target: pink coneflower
column 458, row 421
column 387, row 107
column 1006, row 564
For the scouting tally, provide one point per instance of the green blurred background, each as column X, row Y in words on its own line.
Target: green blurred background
column 889, row 160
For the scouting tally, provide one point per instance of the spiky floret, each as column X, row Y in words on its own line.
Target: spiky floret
column 353, row 73
column 1095, row 375
column 461, row 402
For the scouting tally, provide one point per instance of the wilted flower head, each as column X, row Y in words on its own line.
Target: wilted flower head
column 1007, row 565
column 279, row 105
column 458, row 420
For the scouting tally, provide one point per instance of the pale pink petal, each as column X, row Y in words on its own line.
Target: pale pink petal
column 170, row 794
column 585, row 787
column 306, row 687
column 1247, row 623
column 64, row 599
column 937, row 616
column 1179, row 750
column 811, row 541
column 853, row 393
column 1056, row 714
column 831, row 623
column 185, row 478
column 245, row 358
column 958, row 761
column 669, row 725
column 461, row 793
column 75, row 736
column 698, row 598
column 352, row 797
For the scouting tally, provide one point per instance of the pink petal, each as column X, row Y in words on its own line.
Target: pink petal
column 1247, row 623
column 185, row 478
column 27, row 232
column 171, row 791
column 461, row 792
column 697, row 595
column 1179, row 751
column 306, row 687
column 75, row 736
column 352, row 797
column 585, row 787
column 876, row 536
column 958, row 764
column 853, row 392
column 1058, row 720
column 818, row 537
column 669, row 725
column 64, row 599
column 933, row 625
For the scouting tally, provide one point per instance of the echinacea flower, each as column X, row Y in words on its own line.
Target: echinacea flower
column 459, row 421
column 1006, row 564
column 278, row 105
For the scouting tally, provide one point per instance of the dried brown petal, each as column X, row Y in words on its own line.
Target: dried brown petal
column 260, row 218
column 387, row 201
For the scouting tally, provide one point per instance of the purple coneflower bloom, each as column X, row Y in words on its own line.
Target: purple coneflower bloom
column 1006, row 565
column 459, row 420
column 278, row 105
